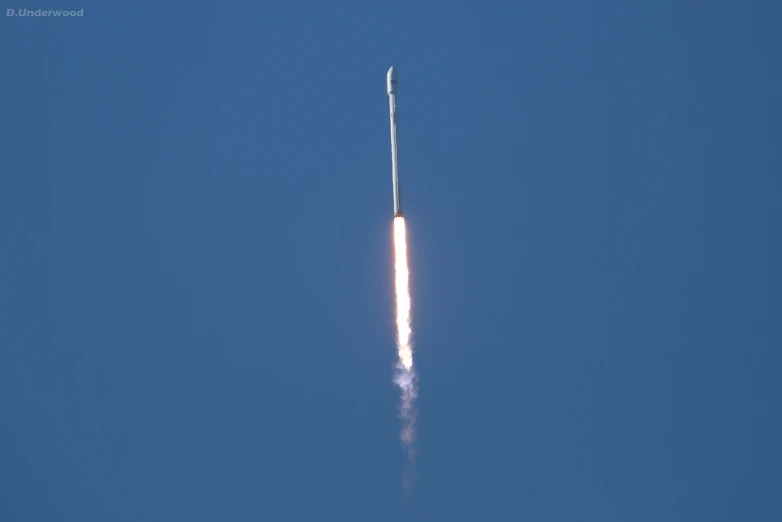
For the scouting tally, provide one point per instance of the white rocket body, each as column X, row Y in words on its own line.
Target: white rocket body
column 391, row 87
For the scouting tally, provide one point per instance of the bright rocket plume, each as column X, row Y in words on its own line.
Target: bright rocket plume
column 405, row 376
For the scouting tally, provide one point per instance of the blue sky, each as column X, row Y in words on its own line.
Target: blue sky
column 196, row 300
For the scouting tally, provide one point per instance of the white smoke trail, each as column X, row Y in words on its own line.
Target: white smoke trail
column 405, row 376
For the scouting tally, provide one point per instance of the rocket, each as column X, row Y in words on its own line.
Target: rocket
column 391, row 87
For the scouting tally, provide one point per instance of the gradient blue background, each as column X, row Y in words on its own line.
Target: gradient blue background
column 196, row 308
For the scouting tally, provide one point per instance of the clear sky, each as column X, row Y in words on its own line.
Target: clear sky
column 196, row 287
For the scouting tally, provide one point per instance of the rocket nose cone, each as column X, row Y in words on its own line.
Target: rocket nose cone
column 391, row 80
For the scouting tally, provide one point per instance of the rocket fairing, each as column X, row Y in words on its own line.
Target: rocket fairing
column 391, row 87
